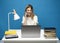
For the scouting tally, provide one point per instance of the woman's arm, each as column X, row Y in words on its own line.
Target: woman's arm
column 24, row 21
column 35, row 20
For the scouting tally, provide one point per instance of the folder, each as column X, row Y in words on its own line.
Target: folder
column 10, row 32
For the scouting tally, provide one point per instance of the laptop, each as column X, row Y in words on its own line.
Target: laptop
column 30, row 31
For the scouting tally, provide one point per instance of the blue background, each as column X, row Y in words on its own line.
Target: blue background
column 48, row 12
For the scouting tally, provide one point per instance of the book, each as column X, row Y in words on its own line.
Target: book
column 11, row 36
column 50, row 33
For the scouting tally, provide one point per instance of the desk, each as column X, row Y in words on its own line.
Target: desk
column 30, row 40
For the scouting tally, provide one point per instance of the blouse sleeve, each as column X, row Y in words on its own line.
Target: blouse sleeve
column 36, row 19
column 23, row 19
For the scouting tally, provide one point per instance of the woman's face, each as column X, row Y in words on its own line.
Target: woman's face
column 29, row 11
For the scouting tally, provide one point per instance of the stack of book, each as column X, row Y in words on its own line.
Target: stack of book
column 10, row 34
column 50, row 33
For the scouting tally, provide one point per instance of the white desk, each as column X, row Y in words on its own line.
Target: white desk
column 34, row 40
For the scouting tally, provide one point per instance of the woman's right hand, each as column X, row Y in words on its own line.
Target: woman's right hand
column 25, row 14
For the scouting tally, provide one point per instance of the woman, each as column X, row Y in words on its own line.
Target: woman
column 29, row 18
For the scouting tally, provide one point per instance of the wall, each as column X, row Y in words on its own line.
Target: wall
column 46, row 10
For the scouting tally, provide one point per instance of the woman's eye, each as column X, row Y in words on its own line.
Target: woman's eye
column 28, row 10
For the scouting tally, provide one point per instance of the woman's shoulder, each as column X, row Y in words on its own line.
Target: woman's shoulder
column 35, row 16
column 23, row 16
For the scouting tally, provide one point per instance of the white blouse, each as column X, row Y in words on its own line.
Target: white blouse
column 31, row 21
